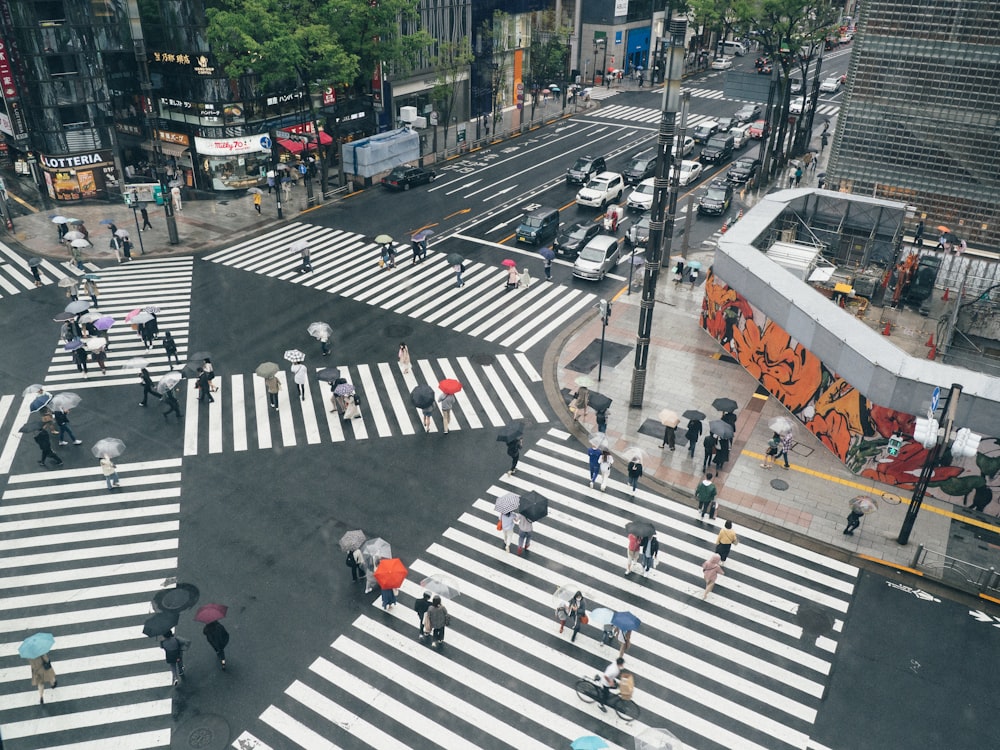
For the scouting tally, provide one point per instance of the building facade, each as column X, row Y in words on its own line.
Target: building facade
column 920, row 119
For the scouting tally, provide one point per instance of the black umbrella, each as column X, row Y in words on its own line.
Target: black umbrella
column 160, row 623
column 422, row 396
column 533, row 506
column 722, row 429
column 724, row 404
column 328, row 374
column 455, row 259
column 640, row 528
column 182, row 596
column 34, row 262
column 199, row 356
column 511, row 431
column 599, row 401
column 190, row 370
column 31, row 427
column 693, row 414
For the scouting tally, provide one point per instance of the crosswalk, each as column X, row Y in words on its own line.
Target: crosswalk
column 652, row 115
column 83, row 564
column 493, row 394
column 16, row 276
column 746, row 668
column 345, row 263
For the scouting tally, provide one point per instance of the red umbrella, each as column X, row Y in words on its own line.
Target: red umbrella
column 509, row 263
column 210, row 613
column 449, row 386
column 390, row 573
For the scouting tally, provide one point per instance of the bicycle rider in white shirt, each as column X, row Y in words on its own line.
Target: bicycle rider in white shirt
column 609, row 680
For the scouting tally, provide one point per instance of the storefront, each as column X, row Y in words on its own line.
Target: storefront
column 73, row 178
column 233, row 163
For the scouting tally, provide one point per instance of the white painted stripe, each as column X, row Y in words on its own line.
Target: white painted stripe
column 74, row 595
column 31, row 542
column 215, row 417
column 247, row 741
column 471, row 380
column 410, row 379
column 239, row 412
column 336, row 430
column 372, row 402
column 579, row 304
column 262, row 412
column 288, row 391
column 462, row 400
column 295, row 730
column 192, row 416
column 75, row 488
column 89, row 690
column 309, row 416
column 357, row 426
column 503, row 393
column 56, row 577
column 137, row 741
column 522, row 389
column 537, row 315
column 123, row 468
column 399, row 408
column 14, row 438
column 80, row 519
column 104, row 615
column 80, row 719
column 5, row 403
column 63, row 556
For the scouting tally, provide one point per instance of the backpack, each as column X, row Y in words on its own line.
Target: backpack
column 172, row 648
column 350, row 560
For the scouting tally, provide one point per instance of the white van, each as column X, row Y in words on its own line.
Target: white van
column 740, row 134
column 732, row 48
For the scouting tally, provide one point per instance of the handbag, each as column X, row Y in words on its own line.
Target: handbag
column 584, row 620
column 499, row 524
column 46, row 664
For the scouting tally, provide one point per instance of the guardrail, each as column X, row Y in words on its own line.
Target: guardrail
column 955, row 572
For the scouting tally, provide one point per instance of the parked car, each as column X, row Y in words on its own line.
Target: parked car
column 584, row 168
column 597, row 258
column 719, row 148
column 641, row 198
column 717, row 199
column 759, row 129
column 403, row 178
column 637, row 236
column 571, row 240
column 830, row 85
column 722, row 63
column 639, row 169
column 690, row 171
column 747, row 113
column 686, row 149
column 705, row 130
column 743, row 170
column 605, row 188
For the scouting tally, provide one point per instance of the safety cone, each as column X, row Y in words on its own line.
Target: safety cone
column 740, row 215
column 725, row 227
column 932, row 353
column 887, row 329
column 946, row 292
column 930, row 341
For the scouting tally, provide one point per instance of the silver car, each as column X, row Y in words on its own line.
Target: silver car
column 598, row 257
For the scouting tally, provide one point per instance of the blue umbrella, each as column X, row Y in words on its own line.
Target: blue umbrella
column 546, row 252
column 625, row 621
column 590, row 742
column 91, row 277
column 422, row 235
column 41, row 401
column 36, row 645
column 74, row 344
column 105, row 222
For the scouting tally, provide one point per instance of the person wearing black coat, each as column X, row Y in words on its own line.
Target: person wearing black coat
column 692, row 435
column 45, row 443
column 514, row 451
column 170, row 347
column 709, row 444
column 172, row 406
column 722, row 453
column 147, row 386
column 218, row 638
column 80, row 359
column 421, row 606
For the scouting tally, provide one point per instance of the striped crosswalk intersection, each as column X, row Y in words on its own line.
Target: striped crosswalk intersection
column 16, row 276
column 345, row 263
column 652, row 115
column 745, row 668
column 83, row 563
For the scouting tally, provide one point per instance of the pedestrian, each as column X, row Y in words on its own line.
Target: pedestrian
column 524, row 529
column 403, row 355
column 272, row 385
column 525, row 278
column 447, row 401
column 209, row 369
column 547, row 267
column 514, row 451
column 218, row 638
column 270, row 180
column 90, row 287
column 110, row 472
column 80, row 358
column 918, row 235
column 73, row 292
column 679, row 272
column 170, row 347
column 609, row 680
column 428, row 413
column 419, row 249
column 634, row 471
column 669, row 436
column 127, row 248
column 36, row 275
column 725, row 541
column 730, row 419
column 512, row 279
column 356, row 562
column 256, row 202
column 693, row 276
column 579, row 403
column 436, row 620
column 306, row 253
column 41, row 673
column 624, row 641
column 146, row 335
column 77, row 256
column 650, row 548
column 602, row 420
column 145, row 219
column 705, row 494
column 324, row 342
column 175, row 196
column 203, row 386
column 388, row 597
column 711, row 569
column 173, row 652
column 62, row 419
column 771, row 451
column 577, row 613
column 458, row 268
column 299, row 374
column 505, row 524
column 172, row 406
column 352, row 406
column 633, row 548
column 594, row 459
column 421, row 606
column 692, row 434
column 798, row 175
column 721, row 454
column 784, row 447
column 45, row 443
column 709, row 443
column 853, row 521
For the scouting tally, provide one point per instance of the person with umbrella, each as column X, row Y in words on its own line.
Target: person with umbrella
column 110, row 472
column 44, row 442
column 634, row 470
column 709, row 443
column 513, row 279
column 62, row 420
column 204, row 387
column 421, row 606
column 594, row 461
column 447, row 401
column 173, row 653
column 721, row 453
column 514, row 451
column 215, row 632
column 80, row 358
column 669, row 420
column 604, row 464
column 505, row 524
column 524, row 529
column 435, row 621
column 860, row 506
column 90, row 287
column 580, row 400
column 42, row 673
column 577, row 613
column 650, row 548
column 299, row 374
column 172, row 405
column 547, row 257
column 784, row 447
column 773, row 446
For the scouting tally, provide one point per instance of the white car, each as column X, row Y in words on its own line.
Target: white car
column 686, row 149
column 605, row 188
column 641, row 198
column 830, row 85
column 722, row 63
column 690, row 171
column 797, row 105
column 598, row 257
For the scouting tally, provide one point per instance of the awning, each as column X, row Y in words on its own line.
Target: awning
column 171, row 149
column 297, row 146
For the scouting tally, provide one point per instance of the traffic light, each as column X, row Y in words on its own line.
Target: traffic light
column 966, row 443
column 604, row 310
column 925, row 432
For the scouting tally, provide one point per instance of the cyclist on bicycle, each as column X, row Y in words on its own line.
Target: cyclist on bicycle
column 609, row 680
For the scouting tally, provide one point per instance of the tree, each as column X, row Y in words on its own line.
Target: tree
column 495, row 42
column 451, row 66
column 547, row 60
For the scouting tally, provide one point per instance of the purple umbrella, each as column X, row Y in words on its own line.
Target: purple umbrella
column 103, row 324
column 74, row 344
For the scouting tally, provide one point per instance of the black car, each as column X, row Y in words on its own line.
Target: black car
column 743, row 170
column 719, row 148
column 403, row 178
column 571, row 240
column 705, row 131
column 585, row 168
column 726, row 124
column 717, row 200
column 639, row 169
column 747, row 113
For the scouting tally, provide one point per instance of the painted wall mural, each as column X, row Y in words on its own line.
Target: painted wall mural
column 853, row 428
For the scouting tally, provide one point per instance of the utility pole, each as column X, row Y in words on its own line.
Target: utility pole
column 661, row 226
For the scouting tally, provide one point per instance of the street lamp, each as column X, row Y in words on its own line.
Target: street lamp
column 605, row 312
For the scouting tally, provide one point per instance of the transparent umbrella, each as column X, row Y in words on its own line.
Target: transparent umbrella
column 108, row 446
column 653, row 738
column 443, row 585
column 35, row 389
column 781, row 425
column 65, row 401
column 319, row 329
column 599, row 440
column 74, row 235
column 168, row 381
column 374, row 550
column 136, row 363
column 565, row 593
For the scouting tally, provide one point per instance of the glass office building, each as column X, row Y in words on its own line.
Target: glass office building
column 921, row 118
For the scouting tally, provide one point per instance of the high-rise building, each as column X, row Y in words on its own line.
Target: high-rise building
column 920, row 118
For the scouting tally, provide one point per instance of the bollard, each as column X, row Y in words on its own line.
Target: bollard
column 915, row 562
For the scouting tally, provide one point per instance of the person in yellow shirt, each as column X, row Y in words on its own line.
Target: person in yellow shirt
column 725, row 541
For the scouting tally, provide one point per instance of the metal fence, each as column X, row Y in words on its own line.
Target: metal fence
column 955, row 572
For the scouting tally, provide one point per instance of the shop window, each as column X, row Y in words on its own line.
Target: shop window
column 50, row 12
column 61, row 65
column 74, row 115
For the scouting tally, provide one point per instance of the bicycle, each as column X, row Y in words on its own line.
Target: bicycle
column 589, row 691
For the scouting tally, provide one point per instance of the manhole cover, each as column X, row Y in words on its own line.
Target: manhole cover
column 483, row 359
column 813, row 620
column 779, row 484
column 397, row 331
column 205, row 732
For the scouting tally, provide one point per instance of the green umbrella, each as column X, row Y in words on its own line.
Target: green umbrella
column 266, row 370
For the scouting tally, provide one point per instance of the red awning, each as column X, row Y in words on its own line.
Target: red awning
column 297, row 146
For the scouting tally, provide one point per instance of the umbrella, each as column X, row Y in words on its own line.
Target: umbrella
column 103, row 324
column 31, row 427
column 455, row 260
column 90, row 317
column 199, row 356
column 625, row 621
column 600, row 617
column 599, row 440
column 136, row 363
column 255, row 191
column 722, row 429
column 71, row 220
column 533, row 506
column 109, row 446
column 71, row 345
column 693, row 264
column 319, row 330
column 80, row 243
column 640, row 528
column 508, row 263
column 351, row 540
column 327, row 374
column 91, row 277
column 266, row 370
column 781, row 425
column 724, row 404
column 210, row 613
column 95, row 344
column 152, row 309
column 863, row 504
column 344, row 389
column 78, row 306
column 669, row 418
column 590, row 741
column 599, row 401
column 190, row 370
column 66, row 281
column 546, row 252
column 635, row 453
column 35, row 389
column 40, row 402
column 585, row 381
column 64, row 401
column 132, row 314
column 444, row 586
column 36, row 645
column 422, row 396
column 390, row 573
column 180, row 597
column 383, row 239
column 511, row 432
column 375, row 549
column 693, row 414
column 160, row 623
column 59, row 219
column 565, row 593
column 423, row 234
column 507, row 503
column 63, row 317
column 34, row 262
column 143, row 317
column 74, row 235
column 167, row 382
column 449, row 386
column 298, row 246
column 941, row 228
column 105, row 222
column 295, row 356
column 121, row 233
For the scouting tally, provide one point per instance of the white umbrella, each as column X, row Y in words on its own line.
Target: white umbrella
column 136, row 363
column 89, row 318
column 108, row 446
column 123, row 233
column 143, row 317
column 319, row 330
column 255, row 191
column 59, row 220
column 781, row 425
column 80, row 243
column 95, row 344
column 74, row 235
column 35, row 389
column 294, row 355
column 168, row 381
column 443, row 585
column 599, row 440
column 65, row 401
column 298, row 246
column 633, row 453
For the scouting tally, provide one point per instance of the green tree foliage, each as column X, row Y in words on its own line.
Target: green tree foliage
column 496, row 51
column 451, row 66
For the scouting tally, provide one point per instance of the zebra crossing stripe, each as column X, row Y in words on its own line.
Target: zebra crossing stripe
column 262, row 410
column 88, row 553
column 50, row 620
column 239, row 415
column 470, row 378
column 399, row 409
column 161, row 527
column 98, row 571
column 462, row 398
column 333, row 713
column 75, row 721
column 372, row 403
